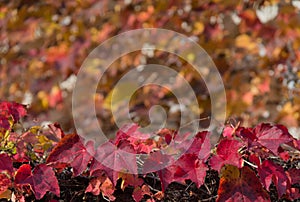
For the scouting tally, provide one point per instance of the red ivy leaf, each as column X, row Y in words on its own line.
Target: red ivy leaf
column 5, row 183
column 294, row 175
column 101, row 185
column 187, row 167
column 130, row 179
column 269, row 171
column 157, row 161
column 41, row 180
column 55, row 132
column 140, row 142
column 4, row 123
column 240, row 185
column 201, row 146
column 71, row 151
column 139, row 192
column 272, row 137
column 6, row 163
column 228, row 131
column 13, row 109
column 227, row 153
column 117, row 159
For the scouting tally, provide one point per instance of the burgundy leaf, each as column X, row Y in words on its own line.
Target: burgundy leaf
column 272, row 137
column 71, row 151
column 240, row 185
column 5, row 182
column 6, row 163
column 41, row 180
column 269, row 171
column 188, row 167
column 13, row 109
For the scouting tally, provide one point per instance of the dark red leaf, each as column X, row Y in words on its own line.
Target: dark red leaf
column 269, row 171
column 5, row 182
column 70, row 150
column 13, row 109
column 4, row 123
column 271, row 137
column 201, row 145
column 55, row 132
column 6, row 163
column 115, row 158
column 240, row 185
column 188, row 167
column 294, row 175
column 41, row 180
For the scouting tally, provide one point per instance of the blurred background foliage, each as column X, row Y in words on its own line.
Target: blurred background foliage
column 254, row 44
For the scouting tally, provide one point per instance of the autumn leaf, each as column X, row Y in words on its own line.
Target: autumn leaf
column 227, row 153
column 139, row 192
column 294, row 175
column 129, row 179
column 5, row 183
column 4, row 123
column 117, row 159
column 188, row 167
column 271, row 137
column 54, row 133
column 201, row 145
column 269, row 171
column 13, row 109
column 71, row 151
column 101, row 184
column 157, row 161
column 41, row 180
column 240, row 185
column 6, row 163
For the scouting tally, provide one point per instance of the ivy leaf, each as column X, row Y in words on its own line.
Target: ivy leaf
column 271, row 137
column 188, row 167
column 5, row 183
column 201, row 145
column 13, row 109
column 269, row 171
column 55, row 132
column 294, row 175
column 130, row 135
column 117, row 159
column 71, row 151
column 101, row 184
column 227, row 153
column 240, row 185
column 4, row 123
column 139, row 192
column 6, row 163
column 41, row 180
column 130, row 179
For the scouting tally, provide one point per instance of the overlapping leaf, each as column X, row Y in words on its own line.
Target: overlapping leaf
column 240, row 185
column 188, row 167
column 71, row 151
column 269, row 171
column 41, row 180
column 271, row 137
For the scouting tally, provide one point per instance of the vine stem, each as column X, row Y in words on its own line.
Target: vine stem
column 251, row 164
